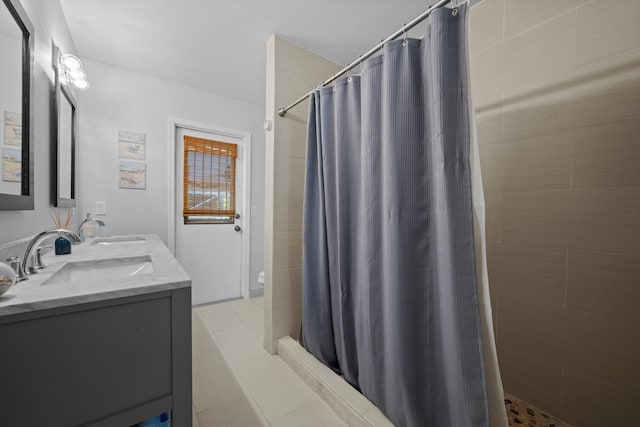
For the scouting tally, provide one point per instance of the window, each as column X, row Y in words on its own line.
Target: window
column 209, row 181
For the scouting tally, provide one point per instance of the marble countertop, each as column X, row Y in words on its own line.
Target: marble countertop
column 33, row 295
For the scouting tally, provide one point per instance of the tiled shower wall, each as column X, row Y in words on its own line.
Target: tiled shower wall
column 291, row 71
column 556, row 87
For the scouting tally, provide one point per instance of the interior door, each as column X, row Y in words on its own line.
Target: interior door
column 209, row 252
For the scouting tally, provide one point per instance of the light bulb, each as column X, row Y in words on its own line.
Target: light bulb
column 71, row 62
column 81, row 84
column 77, row 74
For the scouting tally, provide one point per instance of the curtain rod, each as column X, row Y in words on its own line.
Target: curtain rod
column 403, row 30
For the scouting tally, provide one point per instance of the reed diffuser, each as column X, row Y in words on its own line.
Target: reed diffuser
column 62, row 246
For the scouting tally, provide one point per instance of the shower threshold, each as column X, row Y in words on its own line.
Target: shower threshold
column 346, row 401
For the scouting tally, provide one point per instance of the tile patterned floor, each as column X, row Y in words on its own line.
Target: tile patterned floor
column 521, row 414
column 237, row 383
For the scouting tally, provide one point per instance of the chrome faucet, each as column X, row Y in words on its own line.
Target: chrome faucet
column 86, row 220
column 28, row 262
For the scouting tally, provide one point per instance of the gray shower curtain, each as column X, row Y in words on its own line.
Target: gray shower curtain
column 389, row 275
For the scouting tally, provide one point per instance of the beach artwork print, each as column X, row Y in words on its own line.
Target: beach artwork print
column 132, row 150
column 133, row 175
column 12, row 128
column 11, row 164
column 134, row 137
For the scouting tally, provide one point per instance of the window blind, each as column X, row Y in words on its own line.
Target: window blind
column 209, row 180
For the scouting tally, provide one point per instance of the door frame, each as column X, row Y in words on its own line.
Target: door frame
column 174, row 124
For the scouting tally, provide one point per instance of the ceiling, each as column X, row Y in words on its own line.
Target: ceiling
column 219, row 45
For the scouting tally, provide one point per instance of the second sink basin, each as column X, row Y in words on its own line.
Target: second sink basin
column 80, row 271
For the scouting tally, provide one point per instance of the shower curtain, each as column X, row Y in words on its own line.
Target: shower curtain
column 394, row 275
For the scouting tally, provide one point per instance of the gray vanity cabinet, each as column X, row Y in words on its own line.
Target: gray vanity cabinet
column 114, row 362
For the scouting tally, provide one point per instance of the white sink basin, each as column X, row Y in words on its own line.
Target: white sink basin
column 82, row 271
column 118, row 240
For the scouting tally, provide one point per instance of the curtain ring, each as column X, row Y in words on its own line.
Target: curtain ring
column 404, row 35
column 454, row 11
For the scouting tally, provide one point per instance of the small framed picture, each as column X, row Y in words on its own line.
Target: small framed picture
column 12, row 128
column 132, row 150
column 11, row 164
column 133, row 175
column 135, row 137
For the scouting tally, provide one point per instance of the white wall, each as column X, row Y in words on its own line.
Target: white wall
column 50, row 26
column 121, row 99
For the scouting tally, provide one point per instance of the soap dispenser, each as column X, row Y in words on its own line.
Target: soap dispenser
column 89, row 227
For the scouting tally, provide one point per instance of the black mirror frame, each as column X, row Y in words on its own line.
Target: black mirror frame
column 24, row 201
column 62, row 93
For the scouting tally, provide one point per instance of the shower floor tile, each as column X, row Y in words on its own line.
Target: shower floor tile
column 521, row 414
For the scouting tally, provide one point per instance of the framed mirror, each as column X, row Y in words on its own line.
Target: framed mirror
column 66, row 124
column 16, row 100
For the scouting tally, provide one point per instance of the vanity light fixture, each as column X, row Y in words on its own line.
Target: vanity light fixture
column 71, row 71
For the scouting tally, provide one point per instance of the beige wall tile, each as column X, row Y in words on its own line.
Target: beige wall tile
column 541, row 162
column 607, row 155
column 591, row 402
column 289, row 174
column 492, row 216
column 487, row 73
column 522, row 15
column 287, row 305
column 605, row 100
column 288, row 245
column 486, row 24
column 563, row 86
column 535, row 217
column 541, row 56
column 531, row 378
column 291, row 71
column 605, row 28
column 513, row 263
column 602, row 346
column 489, row 134
column 536, row 113
column 604, row 282
column 605, row 219
column 287, row 218
column 531, row 317
column 292, row 141
column 489, row 124
column 491, row 162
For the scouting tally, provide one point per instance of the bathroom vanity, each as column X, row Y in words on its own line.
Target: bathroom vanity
column 99, row 337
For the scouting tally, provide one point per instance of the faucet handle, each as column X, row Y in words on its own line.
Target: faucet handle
column 15, row 263
column 37, row 257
